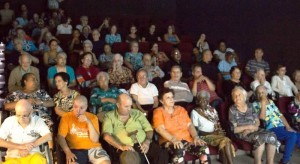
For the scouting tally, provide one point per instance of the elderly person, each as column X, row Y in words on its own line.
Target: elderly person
column 103, row 98
column 22, row 134
column 119, row 74
column 144, row 94
column 200, row 82
column 61, row 66
column 39, row 98
column 219, row 54
column 65, row 96
column 86, row 73
column 98, row 43
column 260, row 79
column 257, row 63
column 177, row 133
column 182, row 92
column 88, row 47
column 78, row 135
column 282, row 84
column 113, row 37
column 225, row 65
column 84, row 21
column 176, row 59
column 14, row 81
column 27, row 43
column 153, row 71
column 128, row 132
column 106, row 58
column 133, row 59
column 206, row 121
column 276, row 122
column 244, row 123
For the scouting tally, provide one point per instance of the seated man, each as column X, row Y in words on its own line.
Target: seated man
column 14, row 81
column 257, row 63
column 22, row 134
column 78, row 135
column 276, row 122
column 125, row 128
column 225, row 65
column 183, row 94
column 209, row 68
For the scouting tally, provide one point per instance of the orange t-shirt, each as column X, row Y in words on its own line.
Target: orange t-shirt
column 175, row 123
column 76, row 133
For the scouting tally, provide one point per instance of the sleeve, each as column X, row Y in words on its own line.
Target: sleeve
column 46, row 96
column 95, row 123
column 253, row 86
column 144, row 122
column 194, row 119
column 256, row 107
column 274, row 84
column 37, row 74
column 42, row 127
column 5, row 129
column 232, row 119
column 127, row 57
column 118, row 38
column 12, row 82
column 267, row 68
column 10, row 46
column 154, row 91
column 247, row 67
column 189, row 95
column 158, row 118
column 186, row 116
column 32, row 46
column 107, row 126
column 161, row 73
column 63, row 128
column 294, row 88
column 134, row 89
column 79, row 77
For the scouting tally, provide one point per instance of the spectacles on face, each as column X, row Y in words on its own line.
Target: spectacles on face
column 23, row 116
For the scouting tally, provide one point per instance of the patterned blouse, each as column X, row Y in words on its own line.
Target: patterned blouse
column 117, row 78
column 39, row 110
column 294, row 110
column 135, row 59
column 66, row 103
column 98, row 93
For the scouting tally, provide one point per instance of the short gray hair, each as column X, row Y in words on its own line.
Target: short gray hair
column 244, row 92
column 102, row 74
column 203, row 93
column 88, row 42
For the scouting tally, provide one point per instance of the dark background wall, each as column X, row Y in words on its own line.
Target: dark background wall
column 271, row 24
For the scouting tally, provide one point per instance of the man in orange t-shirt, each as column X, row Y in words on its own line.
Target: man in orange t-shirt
column 78, row 135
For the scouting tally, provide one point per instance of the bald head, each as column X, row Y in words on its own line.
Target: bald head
column 80, row 105
column 82, row 99
column 124, row 103
column 23, row 106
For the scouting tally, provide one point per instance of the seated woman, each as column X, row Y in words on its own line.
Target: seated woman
column 235, row 80
column 260, row 79
column 49, row 57
column 44, row 44
column 60, row 66
column 294, row 110
column 206, row 121
column 106, row 58
column 86, row 73
column 39, row 98
column 154, row 51
column 245, row 123
column 113, row 36
column 155, row 74
column 118, row 74
column 177, row 133
column 200, row 82
column 282, row 84
column 202, row 43
column 151, row 36
column 296, row 76
column 65, row 96
column 75, row 45
column 133, row 59
column 86, row 33
column 65, row 27
column 103, row 98
column 132, row 36
column 144, row 94
column 171, row 37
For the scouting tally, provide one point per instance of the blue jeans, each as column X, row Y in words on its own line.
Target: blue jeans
column 290, row 139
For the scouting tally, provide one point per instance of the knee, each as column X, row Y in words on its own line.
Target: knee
column 130, row 157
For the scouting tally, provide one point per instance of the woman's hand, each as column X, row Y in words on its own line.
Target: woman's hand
column 198, row 141
column 177, row 144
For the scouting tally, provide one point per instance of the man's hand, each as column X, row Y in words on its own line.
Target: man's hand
column 83, row 118
column 70, row 157
column 23, row 152
column 290, row 129
column 28, row 146
column 145, row 146
column 126, row 147
column 178, row 144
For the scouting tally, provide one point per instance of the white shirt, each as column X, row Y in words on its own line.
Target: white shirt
column 145, row 95
column 61, row 29
column 284, row 86
column 13, row 132
column 256, row 83
column 221, row 55
column 201, row 123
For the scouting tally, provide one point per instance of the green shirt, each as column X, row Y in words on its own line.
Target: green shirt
column 137, row 121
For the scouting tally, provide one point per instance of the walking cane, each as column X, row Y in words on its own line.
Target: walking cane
column 135, row 135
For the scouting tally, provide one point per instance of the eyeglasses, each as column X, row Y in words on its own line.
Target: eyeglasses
column 23, row 116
